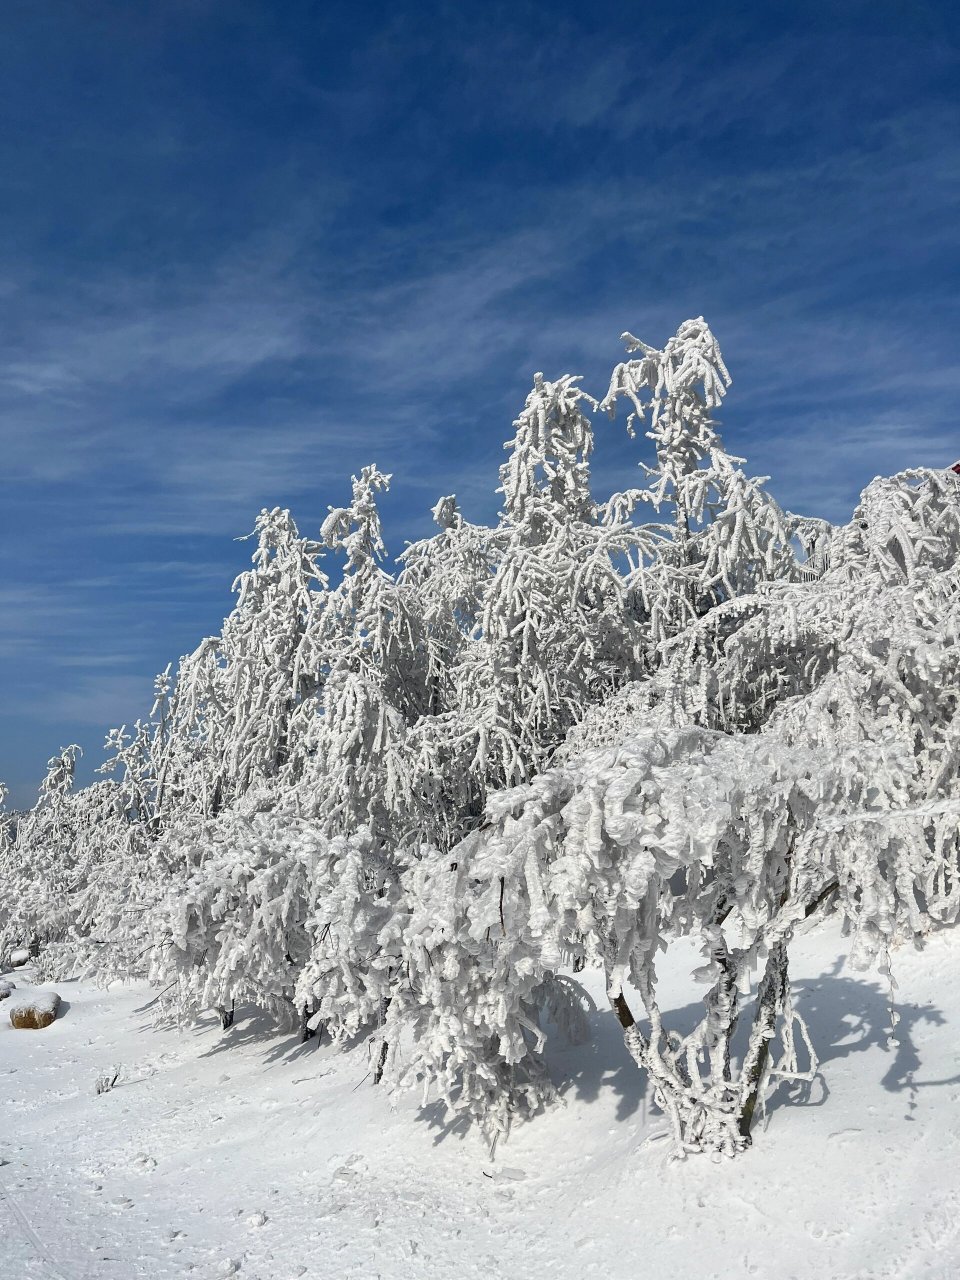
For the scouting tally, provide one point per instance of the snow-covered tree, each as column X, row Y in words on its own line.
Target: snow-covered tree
column 733, row 840
column 374, row 685
column 41, row 861
column 728, row 534
column 242, row 703
column 78, row 867
column 117, row 881
column 445, row 579
column 240, row 922
column 553, row 630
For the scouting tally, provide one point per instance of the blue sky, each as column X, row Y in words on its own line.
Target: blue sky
column 246, row 248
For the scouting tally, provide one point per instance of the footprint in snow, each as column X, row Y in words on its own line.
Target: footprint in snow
column 844, row 1134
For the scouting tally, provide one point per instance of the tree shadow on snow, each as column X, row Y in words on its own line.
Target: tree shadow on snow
column 252, row 1028
column 603, row 1065
column 844, row 1016
column 436, row 1116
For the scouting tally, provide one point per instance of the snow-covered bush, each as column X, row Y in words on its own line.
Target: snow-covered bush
column 267, row 909
column 231, row 927
column 354, row 928
column 106, row 1081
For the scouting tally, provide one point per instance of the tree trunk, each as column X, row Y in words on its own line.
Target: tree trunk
column 307, row 1032
column 382, row 1052
column 770, row 998
column 622, row 1010
column 381, row 1062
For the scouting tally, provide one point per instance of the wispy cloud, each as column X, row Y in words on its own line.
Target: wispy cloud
column 93, row 701
column 229, row 291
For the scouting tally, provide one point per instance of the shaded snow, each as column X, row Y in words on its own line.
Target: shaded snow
column 245, row 1153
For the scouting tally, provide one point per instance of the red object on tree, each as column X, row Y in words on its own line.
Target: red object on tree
column 956, row 467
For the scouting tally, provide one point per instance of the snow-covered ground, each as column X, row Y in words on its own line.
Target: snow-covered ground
column 247, row 1153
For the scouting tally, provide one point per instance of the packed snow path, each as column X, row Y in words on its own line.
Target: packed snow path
column 244, row 1153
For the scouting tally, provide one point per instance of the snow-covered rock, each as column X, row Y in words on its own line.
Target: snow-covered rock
column 19, row 957
column 6, row 987
column 35, row 1011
